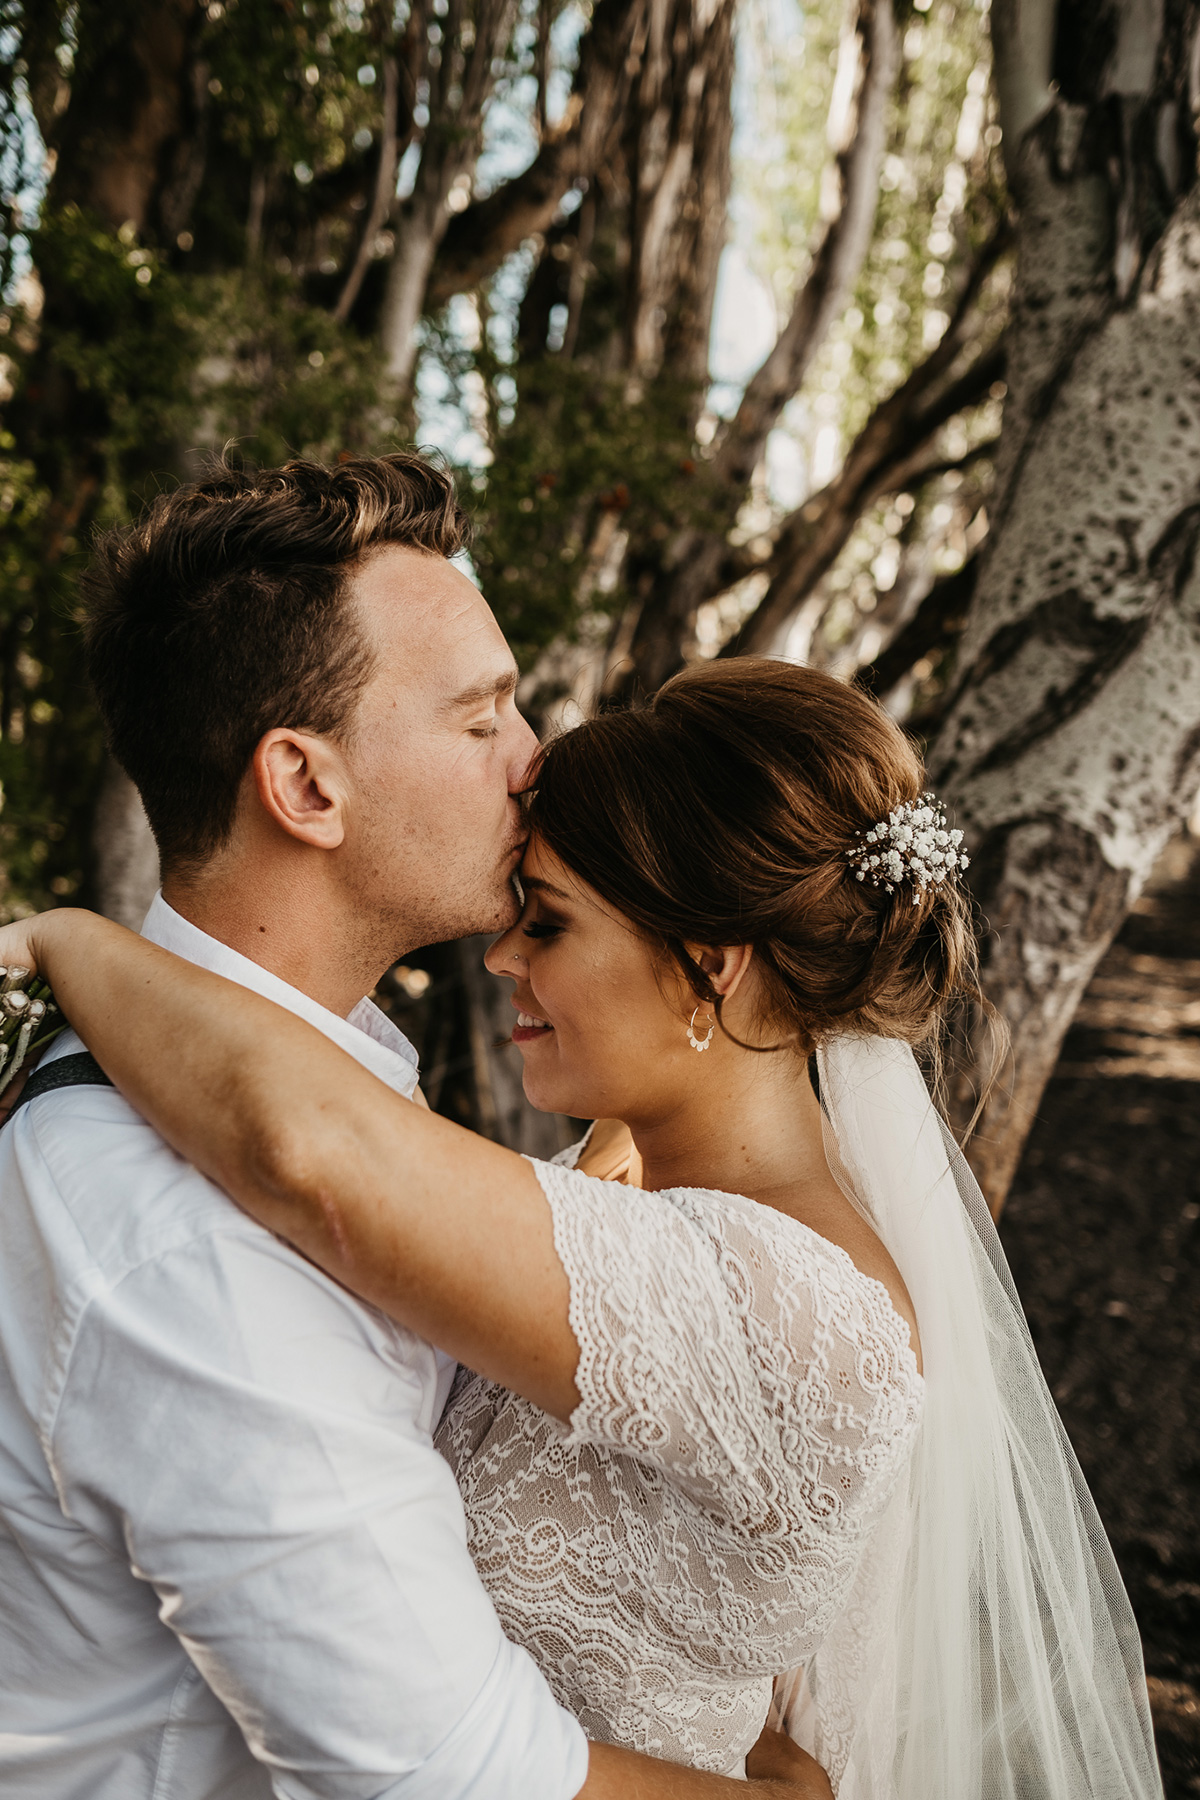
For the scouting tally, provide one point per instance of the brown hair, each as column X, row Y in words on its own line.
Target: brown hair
column 722, row 813
column 221, row 613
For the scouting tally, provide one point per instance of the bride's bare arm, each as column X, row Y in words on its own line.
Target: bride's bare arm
column 445, row 1231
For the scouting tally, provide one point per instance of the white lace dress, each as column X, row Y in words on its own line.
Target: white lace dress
column 749, row 1403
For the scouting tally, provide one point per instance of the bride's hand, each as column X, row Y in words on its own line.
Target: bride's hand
column 776, row 1758
column 18, row 943
column 19, row 949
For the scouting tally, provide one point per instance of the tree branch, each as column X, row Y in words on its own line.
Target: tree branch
column 856, row 130
column 882, row 459
column 679, row 167
column 477, row 241
column 1022, row 65
column 460, row 85
column 866, row 71
column 541, row 63
column 939, row 617
column 385, row 189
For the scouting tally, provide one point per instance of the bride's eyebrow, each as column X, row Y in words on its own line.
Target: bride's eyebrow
column 543, row 887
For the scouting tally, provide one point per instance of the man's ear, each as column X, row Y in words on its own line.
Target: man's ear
column 726, row 969
column 302, row 786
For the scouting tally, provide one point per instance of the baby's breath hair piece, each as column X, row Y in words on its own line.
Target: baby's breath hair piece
column 911, row 844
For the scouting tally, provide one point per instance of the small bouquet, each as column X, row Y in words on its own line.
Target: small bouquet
column 29, row 1019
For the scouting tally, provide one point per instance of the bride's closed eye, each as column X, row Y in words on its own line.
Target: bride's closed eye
column 540, row 928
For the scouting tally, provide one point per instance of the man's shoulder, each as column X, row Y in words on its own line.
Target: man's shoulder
column 96, row 1176
column 73, row 1124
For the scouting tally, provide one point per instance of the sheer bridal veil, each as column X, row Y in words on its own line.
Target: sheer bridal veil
column 988, row 1651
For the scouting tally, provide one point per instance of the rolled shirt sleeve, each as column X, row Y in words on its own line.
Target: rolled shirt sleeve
column 254, row 1442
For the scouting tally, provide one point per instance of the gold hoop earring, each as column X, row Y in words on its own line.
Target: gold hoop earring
column 704, row 1042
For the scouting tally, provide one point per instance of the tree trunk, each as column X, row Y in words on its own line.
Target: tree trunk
column 1071, row 743
column 679, row 170
column 128, row 136
column 126, row 854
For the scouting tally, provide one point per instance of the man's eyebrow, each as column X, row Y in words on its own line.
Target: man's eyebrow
column 486, row 690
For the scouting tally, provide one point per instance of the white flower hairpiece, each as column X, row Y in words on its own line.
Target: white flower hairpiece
column 911, row 844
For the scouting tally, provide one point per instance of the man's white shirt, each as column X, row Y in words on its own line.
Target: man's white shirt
column 231, row 1561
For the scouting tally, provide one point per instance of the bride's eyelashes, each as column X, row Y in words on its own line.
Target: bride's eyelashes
column 540, row 928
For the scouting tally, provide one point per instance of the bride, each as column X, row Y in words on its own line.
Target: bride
column 756, row 1420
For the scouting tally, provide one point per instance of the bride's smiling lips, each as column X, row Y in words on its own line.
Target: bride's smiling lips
column 529, row 1026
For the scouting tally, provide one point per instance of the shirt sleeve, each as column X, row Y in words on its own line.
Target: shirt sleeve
column 728, row 1352
column 254, row 1442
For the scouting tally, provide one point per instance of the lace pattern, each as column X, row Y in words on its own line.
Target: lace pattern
column 749, row 1400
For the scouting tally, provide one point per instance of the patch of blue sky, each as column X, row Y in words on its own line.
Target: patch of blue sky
column 23, row 170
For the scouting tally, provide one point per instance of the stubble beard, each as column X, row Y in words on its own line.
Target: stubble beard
column 477, row 915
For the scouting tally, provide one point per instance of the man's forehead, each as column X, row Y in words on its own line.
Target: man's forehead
column 424, row 613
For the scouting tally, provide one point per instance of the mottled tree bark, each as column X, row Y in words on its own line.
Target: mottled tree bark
column 1070, row 747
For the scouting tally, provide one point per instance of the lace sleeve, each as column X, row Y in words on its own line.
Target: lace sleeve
column 730, row 1349
column 567, row 1159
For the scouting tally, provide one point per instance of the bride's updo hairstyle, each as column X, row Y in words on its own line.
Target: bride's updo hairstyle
column 723, row 811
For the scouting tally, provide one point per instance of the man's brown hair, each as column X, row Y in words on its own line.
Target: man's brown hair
column 221, row 613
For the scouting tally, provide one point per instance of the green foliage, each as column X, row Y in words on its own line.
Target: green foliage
column 30, row 701
column 785, row 82
column 121, row 331
column 160, row 372
column 279, row 376
column 579, row 461
column 942, row 193
column 285, row 80
column 154, row 349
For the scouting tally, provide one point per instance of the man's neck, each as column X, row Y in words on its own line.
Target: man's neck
column 284, row 926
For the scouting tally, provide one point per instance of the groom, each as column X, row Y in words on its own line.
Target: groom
column 231, row 1562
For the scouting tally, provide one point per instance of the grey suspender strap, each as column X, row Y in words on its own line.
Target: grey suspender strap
column 80, row 1070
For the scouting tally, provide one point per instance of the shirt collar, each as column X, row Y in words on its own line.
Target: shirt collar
column 367, row 1034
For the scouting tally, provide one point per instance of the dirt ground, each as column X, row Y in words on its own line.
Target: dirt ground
column 1103, row 1233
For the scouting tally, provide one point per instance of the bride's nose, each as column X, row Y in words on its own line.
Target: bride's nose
column 504, row 957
